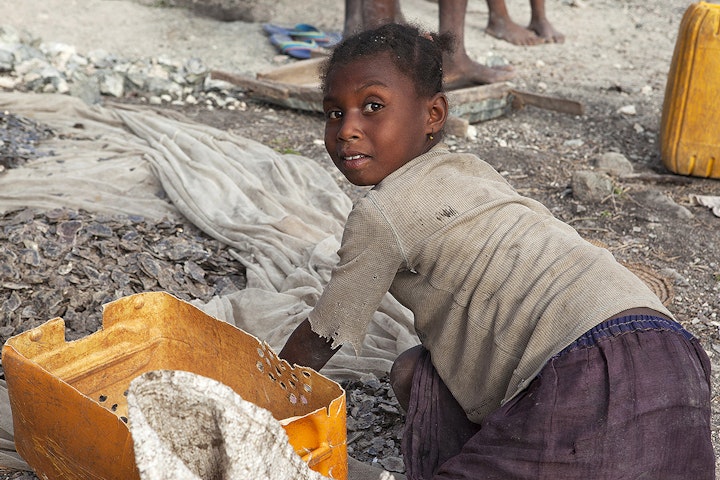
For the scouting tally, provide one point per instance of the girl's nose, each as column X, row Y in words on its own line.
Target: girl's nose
column 350, row 128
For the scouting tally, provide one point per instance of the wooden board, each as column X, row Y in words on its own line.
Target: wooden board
column 296, row 85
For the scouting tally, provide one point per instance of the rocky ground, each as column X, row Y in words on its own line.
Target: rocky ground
column 645, row 215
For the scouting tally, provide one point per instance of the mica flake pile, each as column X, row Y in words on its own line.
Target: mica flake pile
column 19, row 137
column 66, row 263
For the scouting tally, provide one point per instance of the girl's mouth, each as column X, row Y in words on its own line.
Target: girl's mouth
column 354, row 161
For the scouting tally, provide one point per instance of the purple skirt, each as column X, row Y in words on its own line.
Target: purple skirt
column 630, row 399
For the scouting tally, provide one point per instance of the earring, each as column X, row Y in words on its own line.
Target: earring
column 430, row 137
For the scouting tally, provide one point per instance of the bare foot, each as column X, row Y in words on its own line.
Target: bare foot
column 545, row 30
column 461, row 71
column 505, row 29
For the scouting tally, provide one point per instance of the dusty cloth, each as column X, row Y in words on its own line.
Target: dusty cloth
column 628, row 399
column 497, row 285
column 282, row 214
column 223, row 436
column 713, row 203
column 8, row 456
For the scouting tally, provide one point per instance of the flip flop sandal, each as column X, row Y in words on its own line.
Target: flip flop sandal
column 330, row 39
column 294, row 48
column 324, row 39
column 271, row 28
column 303, row 31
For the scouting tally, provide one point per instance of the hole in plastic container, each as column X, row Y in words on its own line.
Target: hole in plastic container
column 307, row 387
column 260, row 352
column 283, row 386
column 260, row 366
column 306, row 374
column 292, row 398
column 102, row 398
column 272, row 377
column 114, row 407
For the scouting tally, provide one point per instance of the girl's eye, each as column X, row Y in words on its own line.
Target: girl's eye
column 372, row 107
column 333, row 114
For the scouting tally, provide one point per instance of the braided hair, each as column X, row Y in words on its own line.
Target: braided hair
column 417, row 54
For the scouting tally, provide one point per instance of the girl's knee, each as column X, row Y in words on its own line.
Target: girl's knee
column 401, row 374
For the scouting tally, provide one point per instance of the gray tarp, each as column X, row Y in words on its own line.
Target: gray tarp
column 282, row 214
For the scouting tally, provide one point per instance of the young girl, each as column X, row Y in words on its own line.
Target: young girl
column 541, row 356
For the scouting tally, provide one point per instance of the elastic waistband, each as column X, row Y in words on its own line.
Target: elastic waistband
column 626, row 324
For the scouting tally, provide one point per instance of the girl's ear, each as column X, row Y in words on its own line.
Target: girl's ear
column 438, row 112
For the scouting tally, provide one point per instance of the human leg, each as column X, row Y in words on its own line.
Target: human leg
column 378, row 12
column 436, row 427
column 619, row 403
column 541, row 25
column 353, row 17
column 459, row 69
column 402, row 372
column 365, row 14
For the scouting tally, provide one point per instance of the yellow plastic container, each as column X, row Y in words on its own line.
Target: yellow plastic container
column 690, row 126
column 68, row 398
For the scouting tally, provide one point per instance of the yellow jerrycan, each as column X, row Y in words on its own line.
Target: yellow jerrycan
column 690, row 125
column 68, row 398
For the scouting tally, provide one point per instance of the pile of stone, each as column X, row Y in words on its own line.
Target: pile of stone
column 374, row 422
column 28, row 64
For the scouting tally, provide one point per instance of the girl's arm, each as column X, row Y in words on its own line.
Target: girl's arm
column 306, row 348
column 369, row 259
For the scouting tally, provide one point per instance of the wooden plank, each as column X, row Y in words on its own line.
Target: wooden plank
column 303, row 73
column 290, row 86
column 297, row 85
column 520, row 99
column 480, row 103
column 283, row 94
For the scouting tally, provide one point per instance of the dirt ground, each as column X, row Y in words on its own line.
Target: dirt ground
column 617, row 54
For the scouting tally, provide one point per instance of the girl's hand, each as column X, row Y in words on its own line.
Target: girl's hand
column 306, row 348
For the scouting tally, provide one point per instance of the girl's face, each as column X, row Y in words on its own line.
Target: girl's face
column 374, row 120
